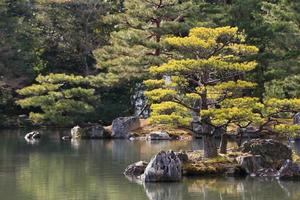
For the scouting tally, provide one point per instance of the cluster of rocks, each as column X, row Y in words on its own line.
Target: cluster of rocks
column 34, row 135
column 257, row 158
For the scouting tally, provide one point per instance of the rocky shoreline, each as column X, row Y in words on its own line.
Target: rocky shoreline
column 255, row 158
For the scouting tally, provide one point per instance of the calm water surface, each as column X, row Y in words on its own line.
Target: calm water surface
column 90, row 170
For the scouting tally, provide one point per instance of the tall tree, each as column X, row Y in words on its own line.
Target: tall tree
column 208, row 69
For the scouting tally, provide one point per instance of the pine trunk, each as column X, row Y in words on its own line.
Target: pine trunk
column 223, row 143
column 209, row 146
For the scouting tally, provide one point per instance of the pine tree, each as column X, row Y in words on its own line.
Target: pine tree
column 60, row 99
column 208, row 70
column 136, row 44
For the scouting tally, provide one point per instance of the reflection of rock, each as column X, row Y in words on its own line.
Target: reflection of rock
column 165, row 166
column 273, row 152
column 136, row 169
column 158, row 135
column 122, row 126
column 289, row 170
column 164, row 191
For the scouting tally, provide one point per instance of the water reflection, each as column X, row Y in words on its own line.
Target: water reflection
column 92, row 170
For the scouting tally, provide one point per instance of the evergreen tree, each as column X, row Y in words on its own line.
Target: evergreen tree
column 60, row 99
column 136, row 44
column 208, row 70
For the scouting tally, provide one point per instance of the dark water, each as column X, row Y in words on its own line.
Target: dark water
column 90, row 170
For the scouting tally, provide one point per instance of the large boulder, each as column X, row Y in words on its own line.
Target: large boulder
column 90, row 132
column 273, row 152
column 122, row 126
column 158, row 135
column 136, row 169
column 251, row 163
column 289, row 170
column 296, row 118
column 163, row 167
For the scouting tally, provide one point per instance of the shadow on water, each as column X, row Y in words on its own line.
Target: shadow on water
column 92, row 170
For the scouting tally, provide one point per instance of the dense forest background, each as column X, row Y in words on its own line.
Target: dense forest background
column 84, row 60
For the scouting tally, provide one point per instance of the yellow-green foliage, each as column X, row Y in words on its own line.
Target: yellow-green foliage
column 61, row 98
column 204, row 51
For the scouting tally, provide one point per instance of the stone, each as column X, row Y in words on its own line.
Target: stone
column 273, row 152
column 251, row 163
column 122, row 126
column 77, row 132
column 182, row 155
column 90, row 132
column 163, row 167
column 266, row 172
column 289, row 170
column 32, row 135
column 136, row 169
column 95, row 132
column 296, row 118
column 158, row 135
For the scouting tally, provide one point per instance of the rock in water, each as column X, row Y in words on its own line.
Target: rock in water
column 136, row 169
column 165, row 166
column 296, row 118
column 273, row 152
column 90, row 132
column 32, row 135
column 77, row 132
column 289, row 170
column 158, row 135
column 122, row 126
column 251, row 163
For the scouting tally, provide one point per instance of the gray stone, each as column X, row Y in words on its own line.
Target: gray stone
column 296, row 118
column 158, row 135
column 32, row 135
column 251, row 163
column 182, row 155
column 90, row 132
column 266, row 172
column 273, row 152
column 122, row 126
column 165, row 166
column 136, row 169
column 289, row 170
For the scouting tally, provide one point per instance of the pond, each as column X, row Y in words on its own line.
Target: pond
column 92, row 169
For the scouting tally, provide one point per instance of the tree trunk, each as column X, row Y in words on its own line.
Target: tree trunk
column 209, row 146
column 223, row 143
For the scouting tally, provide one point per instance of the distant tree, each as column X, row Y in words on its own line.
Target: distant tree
column 207, row 71
column 60, row 99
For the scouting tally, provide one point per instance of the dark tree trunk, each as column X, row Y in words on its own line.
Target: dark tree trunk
column 209, row 146
column 223, row 143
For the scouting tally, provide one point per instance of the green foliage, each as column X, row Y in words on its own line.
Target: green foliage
column 59, row 99
column 207, row 71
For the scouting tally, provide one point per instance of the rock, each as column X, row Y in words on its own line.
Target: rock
column 136, row 169
column 273, row 152
column 32, row 135
column 122, row 126
column 251, row 163
column 67, row 137
column 158, row 135
column 95, row 132
column 235, row 171
column 296, row 118
column 165, row 166
column 182, row 155
column 90, row 132
column 266, row 172
column 289, row 170
column 77, row 132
